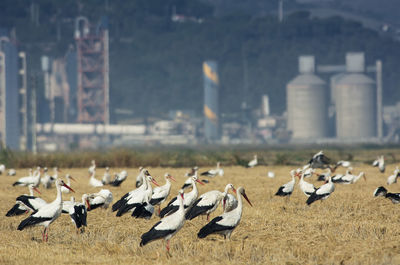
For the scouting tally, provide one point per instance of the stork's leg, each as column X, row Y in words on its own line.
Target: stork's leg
column 43, row 234
column 208, row 217
column 47, row 234
column 159, row 209
column 168, row 245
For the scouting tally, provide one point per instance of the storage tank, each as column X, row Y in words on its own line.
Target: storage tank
column 355, row 101
column 306, row 102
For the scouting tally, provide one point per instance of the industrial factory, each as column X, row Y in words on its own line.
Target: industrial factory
column 325, row 104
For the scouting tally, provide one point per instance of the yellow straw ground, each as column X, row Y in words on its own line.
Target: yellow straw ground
column 350, row 227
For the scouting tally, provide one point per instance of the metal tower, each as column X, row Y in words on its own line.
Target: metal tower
column 93, row 71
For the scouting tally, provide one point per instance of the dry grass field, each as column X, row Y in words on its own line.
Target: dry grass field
column 350, row 227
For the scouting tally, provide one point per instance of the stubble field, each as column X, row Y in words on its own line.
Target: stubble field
column 350, row 227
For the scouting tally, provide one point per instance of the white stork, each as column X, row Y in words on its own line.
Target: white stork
column 381, row 191
column 319, row 160
column 11, row 172
column 119, row 178
column 135, row 198
column 189, row 199
column 207, row 203
column 168, row 226
column 48, row 180
column 25, row 203
column 101, row 199
column 139, row 178
column 95, row 182
column 380, row 163
column 46, row 214
column 287, row 189
column 78, row 213
column 69, row 178
column 229, row 203
column 253, row 163
column 214, row 172
column 393, row 178
column 161, row 193
column 2, row 169
column 349, row 178
column 225, row 224
column 26, row 181
column 306, row 187
column 106, row 177
column 322, row 192
column 92, row 167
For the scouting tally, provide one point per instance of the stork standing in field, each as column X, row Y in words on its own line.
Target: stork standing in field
column 214, row 172
column 101, row 199
column 95, row 182
column 136, row 198
column 106, row 177
column 322, row 193
column 78, row 213
column 207, row 203
column 161, row 193
column 228, row 221
column 393, row 178
column 25, row 203
column 47, row 180
column 287, row 189
column 139, row 178
column 380, row 163
column 11, row 172
column 92, row 167
column 69, row 178
column 306, row 187
column 119, row 178
column 381, row 191
column 2, row 169
column 26, row 181
column 47, row 214
column 349, row 178
column 189, row 199
column 253, row 163
column 168, row 226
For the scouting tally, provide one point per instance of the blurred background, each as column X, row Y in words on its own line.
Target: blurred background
column 98, row 74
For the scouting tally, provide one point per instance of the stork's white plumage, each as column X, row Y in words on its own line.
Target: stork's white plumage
column 11, row 172
column 64, row 189
column 349, row 178
column 137, row 197
column 253, row 163
column 48, row 180
column 207, row 203
column 161, row 193
column 47, row 214
column 95, row 182
column 287, row 189
column 106, row 177
column 271, row 174
column 101, row 199
column 214, row 172
column 380, row 163
column 393, row 178
column 119, row 178
column 168, row 226
column 139, row 178
column 67, row 205
column 26, row 181
column 228, row 221
column 25, row 203
column 322, row 192
column 92, row 167
column 306, row 187
column 189, row 199
column 2, row 168
column 229, row 203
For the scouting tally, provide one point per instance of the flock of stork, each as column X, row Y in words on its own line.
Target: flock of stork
column 141, row 201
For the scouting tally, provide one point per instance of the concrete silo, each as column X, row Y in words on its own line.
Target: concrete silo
column 355, row 101
column 306, row 103
column 211, row 112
